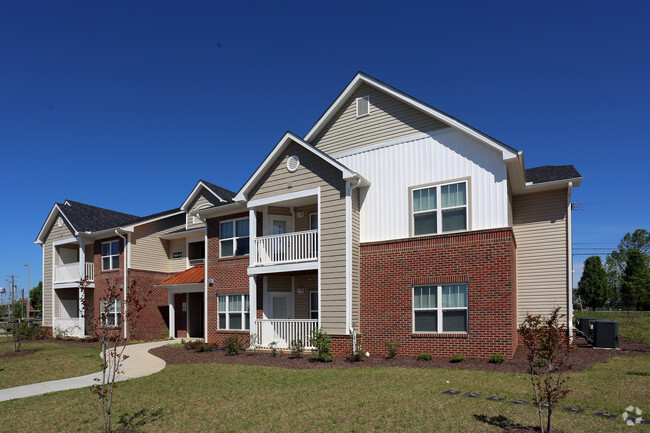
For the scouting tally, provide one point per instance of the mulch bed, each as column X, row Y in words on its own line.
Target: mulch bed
column 581, row 358
column 22, row 352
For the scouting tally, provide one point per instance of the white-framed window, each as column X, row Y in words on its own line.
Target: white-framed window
column 439, row 209
column 313, row 221
column 363, row 106
column 110, row 255
column 233, row 312
column 233, row 238
column 440, row 308
column 313, row 305
column 111, row 312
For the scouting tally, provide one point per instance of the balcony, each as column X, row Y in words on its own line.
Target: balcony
column 69, row 273
column 286, row 248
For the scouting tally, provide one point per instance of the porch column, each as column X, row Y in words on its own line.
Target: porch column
column 252, row 302
column 82, row 273
column 252, row 235
column 172, row 316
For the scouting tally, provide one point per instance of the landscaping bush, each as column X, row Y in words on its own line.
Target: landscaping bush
column 297, row 348
column 425, row 357
column 19, row 332
column 192, row 345
column 322, row 346
column 457, row 358
column 392, row 348
column 204, row 347
column 497, row 358
column 233, row 345
column 540, row 362
column 273, row 345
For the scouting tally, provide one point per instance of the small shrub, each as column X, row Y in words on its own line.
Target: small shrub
column 233, row 345
column 273, row 345
column 21, row 331
column 322, row 346
column 356, row 356
column 425, row 357
column 193, row 344
column 497, row 358
column 540, row 362
column 392, row 348
column 297, row 348
column 204, row 347
column 457, row 358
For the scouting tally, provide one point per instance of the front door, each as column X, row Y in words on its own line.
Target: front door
column 281, row 305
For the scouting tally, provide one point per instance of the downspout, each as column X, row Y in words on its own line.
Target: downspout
column 348, row 253
column 570, row 262
column 205, row 278
column 117, row 232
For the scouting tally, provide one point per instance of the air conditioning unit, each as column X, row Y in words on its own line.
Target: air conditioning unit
column 585, row 325
column 605, row 334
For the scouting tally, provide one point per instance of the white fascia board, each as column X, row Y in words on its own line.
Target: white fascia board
column 219, row 210
column 180, row 235
column 547, row 186
column 49, row 221
column 132, row 226
column 283, row 197
column 195, row 192
column 361, row 78
column 294, row 267
column 288, row 137
column 104, row 233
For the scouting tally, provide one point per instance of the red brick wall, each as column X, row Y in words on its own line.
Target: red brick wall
column 152, row 321
column 484, row 259
column 229, row 275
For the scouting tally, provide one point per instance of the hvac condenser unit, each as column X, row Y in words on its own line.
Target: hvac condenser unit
column 605, row 334
column 585, row 325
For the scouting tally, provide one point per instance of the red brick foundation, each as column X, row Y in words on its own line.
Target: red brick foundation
column 485, row 260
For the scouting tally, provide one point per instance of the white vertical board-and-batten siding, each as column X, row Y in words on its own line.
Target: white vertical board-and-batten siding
column 434, row 158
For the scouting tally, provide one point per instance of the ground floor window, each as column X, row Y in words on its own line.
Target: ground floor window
column 111, row 311
column 233, row 312
column 440, row 308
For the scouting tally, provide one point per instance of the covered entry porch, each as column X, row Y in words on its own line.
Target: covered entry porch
column 290, row 309
column 186, row 297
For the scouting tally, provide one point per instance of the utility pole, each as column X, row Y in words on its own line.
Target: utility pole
column 28, row 289
column 12, row 288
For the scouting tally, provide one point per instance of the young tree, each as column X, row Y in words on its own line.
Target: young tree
column 635, row 283
column 36, row 296
column 547, row 340
column 593, row 288
column 639, row 241
column 108, row 325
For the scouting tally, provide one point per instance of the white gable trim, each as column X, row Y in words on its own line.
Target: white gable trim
column 195, row 193
column 287, row 139
column 361, row 78
column 49, row 221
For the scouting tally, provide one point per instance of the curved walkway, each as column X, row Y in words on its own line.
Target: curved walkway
column 139, row 363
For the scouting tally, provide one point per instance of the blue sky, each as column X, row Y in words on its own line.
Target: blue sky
column 126, row 105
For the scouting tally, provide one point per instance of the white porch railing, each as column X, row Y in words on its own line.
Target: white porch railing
column 284, row 331
column 286, row 248
column 71, row 326
column 69, row 272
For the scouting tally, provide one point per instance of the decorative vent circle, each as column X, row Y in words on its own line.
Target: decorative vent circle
column 59, row 222
column 293, row 163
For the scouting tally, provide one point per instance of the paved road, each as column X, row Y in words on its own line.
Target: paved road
column 140, row 363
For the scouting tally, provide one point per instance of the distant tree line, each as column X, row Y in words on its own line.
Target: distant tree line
column 623, row 281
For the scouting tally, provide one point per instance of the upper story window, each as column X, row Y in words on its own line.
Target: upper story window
column 313, row 221
column 440, row 308
column 233, row 238
column 110, row 255
column 440, row 209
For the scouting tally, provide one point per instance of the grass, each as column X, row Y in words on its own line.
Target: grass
column 230, row 398
column 51, row 361
column 631, row 324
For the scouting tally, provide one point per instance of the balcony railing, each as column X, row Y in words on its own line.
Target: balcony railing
column 69, row 273
column 286, row 248
column 194, row 262
column 284, row 331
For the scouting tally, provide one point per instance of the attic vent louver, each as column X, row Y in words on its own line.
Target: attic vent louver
column 59, row 222
column 363, row 106
column 293, row 163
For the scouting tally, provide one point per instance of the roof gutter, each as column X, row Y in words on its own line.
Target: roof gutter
column 210, row 212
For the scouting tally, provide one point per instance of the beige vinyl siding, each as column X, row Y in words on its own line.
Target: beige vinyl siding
column 302, row 222
column 203, row 198
column 176, row 265
column 309, row 283
column 278, row 283
column 56, row 233
column 149, row 252
column 540, row 228
column 356, row 312
column 279, row 210
column 315, row 172
column 389, row 119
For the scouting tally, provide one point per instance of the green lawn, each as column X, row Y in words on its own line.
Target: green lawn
column 50, row 361
column 216, row 397
column 631, row 324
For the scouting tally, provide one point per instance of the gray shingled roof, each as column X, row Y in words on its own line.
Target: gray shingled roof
column 87, row 218
column 221, row 192
column 550, row 173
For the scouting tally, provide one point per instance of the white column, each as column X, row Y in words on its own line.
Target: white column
column 82, row 273
column 172, row 316
column 252, row 221
column 252, row 301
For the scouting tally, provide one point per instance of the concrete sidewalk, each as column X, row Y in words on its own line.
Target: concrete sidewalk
column 140, row 363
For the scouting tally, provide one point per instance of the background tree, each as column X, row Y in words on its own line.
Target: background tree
column 594, row 288
column 635, row 282
column 639, row 241
column 36, row 296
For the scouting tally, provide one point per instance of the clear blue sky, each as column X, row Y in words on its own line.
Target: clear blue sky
column 125, row 105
